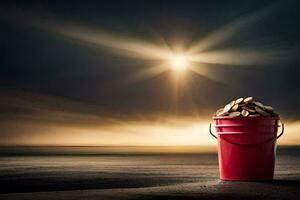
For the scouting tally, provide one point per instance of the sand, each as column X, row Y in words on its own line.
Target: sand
column 186, row 176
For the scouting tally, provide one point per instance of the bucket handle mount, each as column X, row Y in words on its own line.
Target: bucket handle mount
column 275, row 136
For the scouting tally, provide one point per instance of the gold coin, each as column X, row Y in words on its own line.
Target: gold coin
column 221, row 112
column 232, row 103
column 239, row 100
column 248, row 99
column 251, row 105
column 246, row 107
column 262, row 112
column 235, row 107
column 249, row 109
column 269, row 108
column 227, row 108
column 259, row 104
column 245, row 113
column 243, row 104
column 234, row 114
column 254, row 115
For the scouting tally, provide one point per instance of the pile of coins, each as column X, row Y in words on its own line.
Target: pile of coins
column 246, row 107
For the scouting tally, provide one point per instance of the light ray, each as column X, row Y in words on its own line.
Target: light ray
column 228, row 31
column 126, row 46
column 178, row 59
column 240, row 56
column 203, row 73
column 144, row 74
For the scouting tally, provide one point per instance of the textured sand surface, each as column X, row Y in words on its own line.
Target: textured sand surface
column 139, row 177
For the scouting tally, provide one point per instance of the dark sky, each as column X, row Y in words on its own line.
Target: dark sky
column 35, row 61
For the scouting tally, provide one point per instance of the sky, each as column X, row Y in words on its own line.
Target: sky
column 98, row 73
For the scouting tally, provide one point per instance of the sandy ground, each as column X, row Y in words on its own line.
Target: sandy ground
column 280, row 189
column 139, row 177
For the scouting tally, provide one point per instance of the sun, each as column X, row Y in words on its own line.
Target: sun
column 179, row 62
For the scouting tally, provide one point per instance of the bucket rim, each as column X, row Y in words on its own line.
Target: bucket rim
column 245, row 118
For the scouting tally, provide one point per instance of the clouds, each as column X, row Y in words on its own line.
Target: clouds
column 95, row 66
column 30, row 119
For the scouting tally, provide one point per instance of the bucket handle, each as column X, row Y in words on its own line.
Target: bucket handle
column 268, row 140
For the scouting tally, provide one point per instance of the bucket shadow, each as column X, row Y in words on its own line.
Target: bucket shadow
column 275, row 182
column 283, row 182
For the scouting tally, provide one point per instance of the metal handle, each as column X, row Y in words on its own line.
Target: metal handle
column 212, row 132
column 268, row 140
column 282, row 130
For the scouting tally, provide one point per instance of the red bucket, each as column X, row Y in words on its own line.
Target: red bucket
column 246, row 147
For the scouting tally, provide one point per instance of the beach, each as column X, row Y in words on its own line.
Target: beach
column 139, row 176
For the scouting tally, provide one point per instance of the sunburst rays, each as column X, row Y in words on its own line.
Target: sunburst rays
column 164, row 58
column 206, row 50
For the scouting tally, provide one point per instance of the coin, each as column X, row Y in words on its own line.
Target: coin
column 254, row 115
column 245, row 113
column 234, row 114
column 262, row 112
column 239, row 100
column 249, row 109
column 221, row 112
column 235, row 107
column 246, row 107
column 227, row 108
column 248, row 99
column 250, row 105
column 259, row 104
column 243, row 104
column 232, row 103
column 269, row 108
